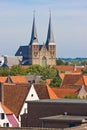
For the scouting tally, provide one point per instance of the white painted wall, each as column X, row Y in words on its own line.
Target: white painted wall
column 32, row 95
column 82, row 93
column 5, row 120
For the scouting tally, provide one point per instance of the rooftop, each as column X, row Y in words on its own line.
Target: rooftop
column 68, row 101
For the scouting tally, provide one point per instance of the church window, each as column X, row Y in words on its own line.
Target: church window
column 44, row 61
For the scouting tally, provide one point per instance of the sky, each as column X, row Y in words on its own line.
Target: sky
column 69, row 22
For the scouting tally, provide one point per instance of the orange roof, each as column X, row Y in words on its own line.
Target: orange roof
column 52, row 94
column 14, row 96
column 41, row 91
column 64, row 67
column 25, row 67
column 6, row 110
column 73, row 79
column 85, row 79
column 62, row 75
column 18, row 79
column 3, row 79
column 48, row 81
column 62, row 92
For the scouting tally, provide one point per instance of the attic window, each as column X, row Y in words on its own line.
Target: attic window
column 2, row 115
column 32, row 95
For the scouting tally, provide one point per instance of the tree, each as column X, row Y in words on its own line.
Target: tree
column 56, row 82
column 48, row 72
column 84, row 71
column 59, row 62
column 4, row 71
column 17, row 70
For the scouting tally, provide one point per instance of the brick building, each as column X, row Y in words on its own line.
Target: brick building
column 58, row 113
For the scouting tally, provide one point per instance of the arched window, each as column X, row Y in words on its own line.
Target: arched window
column 44, row 61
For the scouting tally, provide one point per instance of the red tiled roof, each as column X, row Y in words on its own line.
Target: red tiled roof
column 62, row 92
column 62, row 75
column 25, row 67
column 73, row 79
column 48, row 81
column 3, row 79
column 85, row 79
column 64, row 67
column 18, row 79
column 52, row 94
column 41, row 91
column 15, row 79
column 14, row 96
column 6, row 110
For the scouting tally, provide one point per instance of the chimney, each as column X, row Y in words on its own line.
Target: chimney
column 1, row 92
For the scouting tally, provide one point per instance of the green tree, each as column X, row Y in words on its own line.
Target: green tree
column 17, row 70
column 59, row 62
column 56, row 82
column 48, row 72
column 34, row 69
column 84, row 71
column 4, row 71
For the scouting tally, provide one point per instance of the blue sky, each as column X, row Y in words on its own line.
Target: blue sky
column 69, row 21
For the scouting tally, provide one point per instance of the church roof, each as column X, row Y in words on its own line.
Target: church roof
column 23, row 51
column 50, row 36
column 34, row 39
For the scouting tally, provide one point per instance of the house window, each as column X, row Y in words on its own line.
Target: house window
column 5, row 124
column 32, row 95
column 2, row 116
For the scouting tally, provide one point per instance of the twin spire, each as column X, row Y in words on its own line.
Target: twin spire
column 50, row 36
column 34, row 39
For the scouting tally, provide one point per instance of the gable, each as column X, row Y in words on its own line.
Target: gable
column 43, row 48
column 23, row 51
column 14, row 96
column 41, row 91
column 82, row 93
column 32, row 95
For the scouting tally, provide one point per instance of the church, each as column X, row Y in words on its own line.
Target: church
column 35, row 53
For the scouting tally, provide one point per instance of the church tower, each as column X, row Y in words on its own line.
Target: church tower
column 33, row 45
column 44, row 54
column 50, row 44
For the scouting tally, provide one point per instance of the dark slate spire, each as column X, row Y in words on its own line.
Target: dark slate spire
column 34, row 39
column 50, row 36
